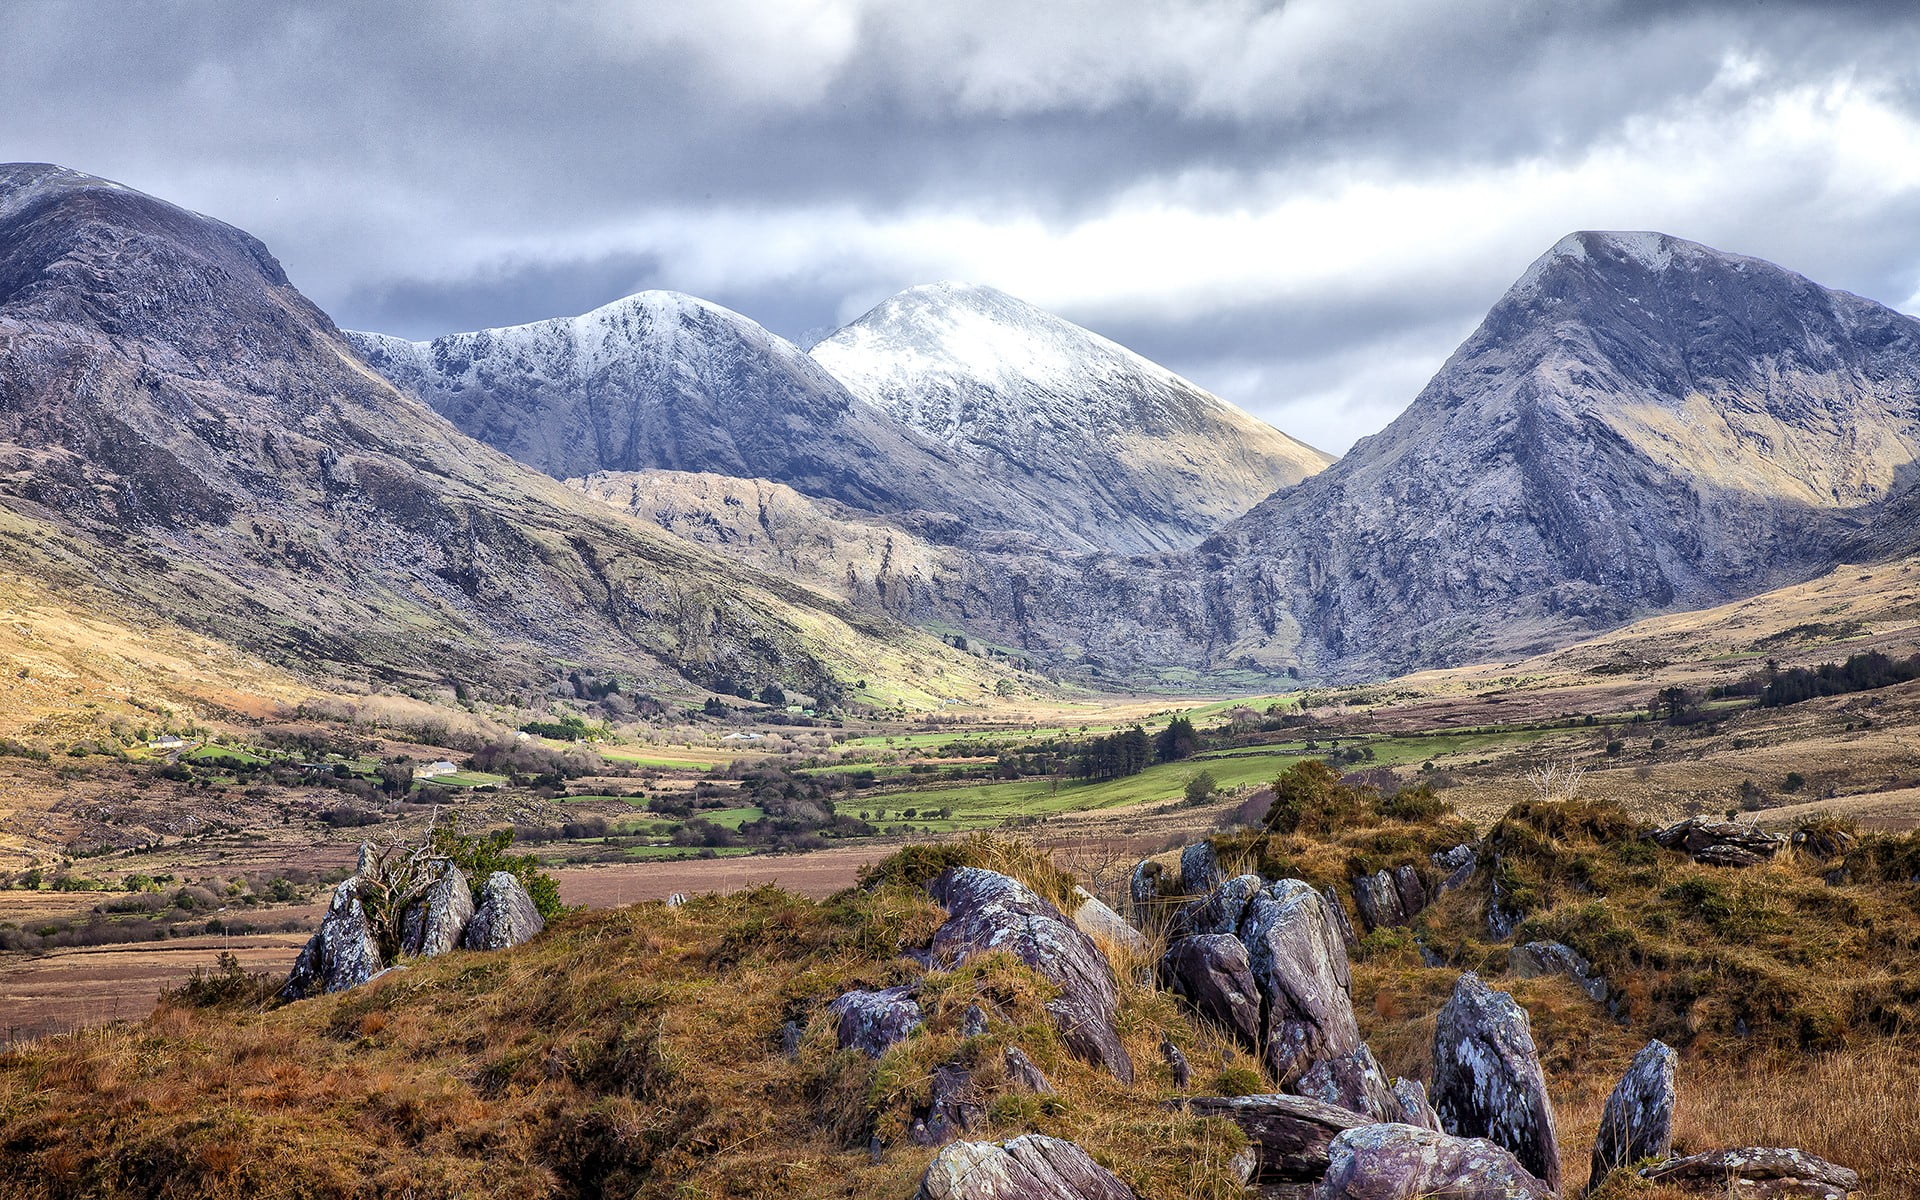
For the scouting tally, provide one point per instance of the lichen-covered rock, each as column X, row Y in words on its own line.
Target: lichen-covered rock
column 1034, row 1167
column 1200, row 870
column 1405, row 1162
column 1757, row 1173
column 954, row 1107
column 1487, row 1080
column 989, row 911
column 1023, row 1074
column 1353, row 1080
column 1148, row 889
column 1458, row 863
column 1389, row 898
column 1220, row 911
column 1289, row 1135
column 1537, row 959
column 1177, row 1063
column 973, row 1022
column 870, row 1021
column 1721, row 843
column 1300, row 965
column 1210, row 972
column 435, row 923
column 506, row 916
column 1415, row 1108
column 342, row 953
column 1095, row 919
column 1341, row 921
column 1637, row 1121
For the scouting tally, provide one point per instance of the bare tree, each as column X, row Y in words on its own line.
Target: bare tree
column 1555, row 780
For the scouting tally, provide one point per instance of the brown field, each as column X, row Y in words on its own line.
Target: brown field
column 815, row 875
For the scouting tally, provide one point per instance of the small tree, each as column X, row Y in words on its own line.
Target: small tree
column 1200, row 788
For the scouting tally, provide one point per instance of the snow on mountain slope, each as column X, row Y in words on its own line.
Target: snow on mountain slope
column 1051, row 407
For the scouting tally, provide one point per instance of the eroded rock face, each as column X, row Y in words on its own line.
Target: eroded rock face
column 506, row 916
column 1210, row 972
column 1022, row 1073
column 1095, row 919
column 1459, row 863
column 1637, row 1121
column 1405, row 1162
column 871, row 1021
column 1353, row 1080
column 1537, row 959
column 1338, row 909
column 1757, row 1173
column 1298, row 960
column 1200, row 870
column 1721, row 843
column 435, row 923
column 1034, row 1167
column 1389, row 898
column 988, row 911
column 341, row 954
column 1289, row 1134
column 1415, row 1108
column 1487, row 1080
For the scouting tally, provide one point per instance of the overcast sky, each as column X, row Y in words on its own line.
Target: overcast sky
column 1302, row 206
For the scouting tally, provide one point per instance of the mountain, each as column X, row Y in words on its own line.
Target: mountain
column 182, row 433
column 1061, row 415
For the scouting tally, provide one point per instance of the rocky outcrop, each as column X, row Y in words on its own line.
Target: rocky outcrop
column 1148, row 889
column 1389, row 898
column 1487, row 1080
column 1210, row 972
column 1405, row 1162
column 1023, row 1074
column 1289, row 1134
column 1721, row 843
column 1034, row 1167
column 1457, row 863
column 1637, row 1121
column 1098, row 921
column 1300, row 964
column 1537, row 959
column 436, row 922
column 1415, row 1108
column 1352, row 1080
column 342, row 953
column 987, row 911
column 506, row 916
column 1200, row 870
column 871, row 1021
column 953, row 1108
column 1757, row 1173
column 1338, row 910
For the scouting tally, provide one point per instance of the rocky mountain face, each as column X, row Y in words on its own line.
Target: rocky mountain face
column 181, row 427
column 1063, row 416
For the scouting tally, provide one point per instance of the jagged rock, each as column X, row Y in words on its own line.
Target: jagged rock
column 1200, row 870
column 1459, row 863
column 1096, row 920
column 1537, row 959
column 1341, row 920
column 1033, row 1167
column 870, row 1021
column 1405, row 1162
column 1023, row 1074
column 1289, row 1134
column 1210, row 972
column 1389, row 898
column 1177, row 1063
column 953, row 1108
column 1487, row 1080
column 1220, row 911
column 973, row 1022
column 1757, row 1173
column 435, row 923
column 506, row 916
column 1300, row 965
column 342, row 953
column 1637, row 1121
column 1415, row 1108
column 1353, row 1081
column 1720, row 843
column 988, row 911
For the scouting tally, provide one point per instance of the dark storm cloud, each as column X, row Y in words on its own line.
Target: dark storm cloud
column 444, row 165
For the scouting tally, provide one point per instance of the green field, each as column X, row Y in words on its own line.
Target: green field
column 466, row 779
column 214, row 754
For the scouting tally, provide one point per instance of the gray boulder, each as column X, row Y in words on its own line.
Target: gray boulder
column 1415, row 1108
column 1756, row 1173
column 1538, row 959
column 1024, row 1075
column 871, row 1021
column 506, row 916
column 1353, row 1080
column 435, row 923
column 1200, row 870
column 987, row 911
column 1300, row 965
column 1177, row 1064
column 1341, row 921
column 342, row 953
column 1405, row 1162
column 1210, row 972
column 1721, row 843
column 1289, row 1135
column 1487, row 1080
column 1034, row 1167
column 1637, row 1121
column 1457, row 863
column 1148, row 889
column 973, row 1022
column 1095, row 919
column 1222, row 910
column 1389, row 898
column 954, row 1107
